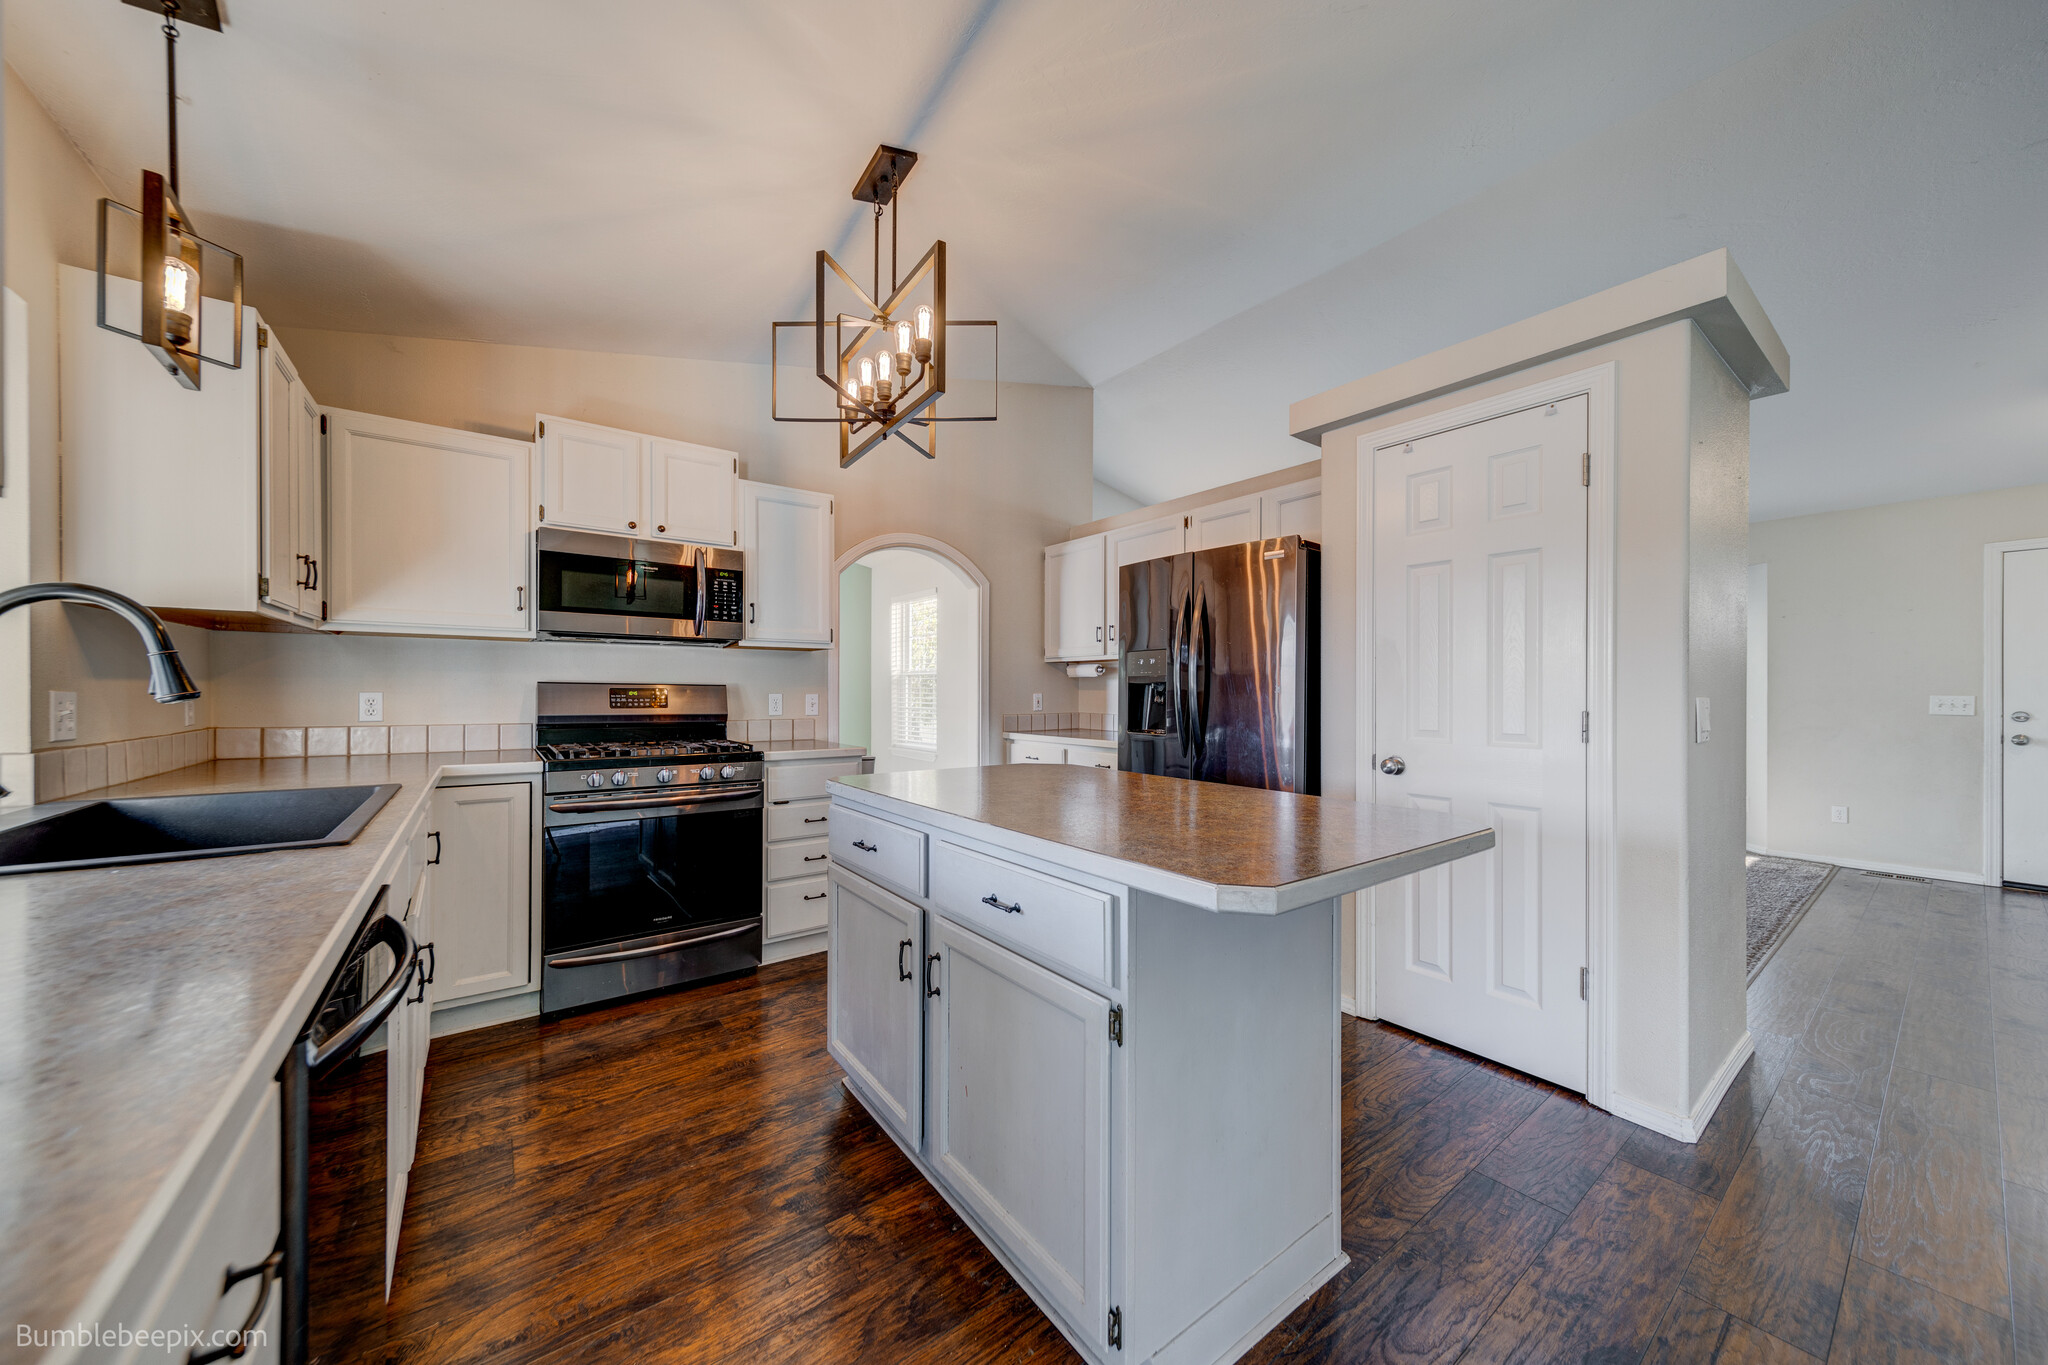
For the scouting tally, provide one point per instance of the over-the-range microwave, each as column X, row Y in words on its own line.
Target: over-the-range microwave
column 597, row 587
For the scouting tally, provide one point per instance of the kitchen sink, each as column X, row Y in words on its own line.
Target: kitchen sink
column 155, row 829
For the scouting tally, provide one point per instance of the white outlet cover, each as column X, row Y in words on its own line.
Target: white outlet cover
column 1839, row 814
column 810, row 703
column 774, row 703
column 369, row 706
column 1951, row 706
column 63, row 716
column 191, row 712
column 1702, row 720
column 1038, row 701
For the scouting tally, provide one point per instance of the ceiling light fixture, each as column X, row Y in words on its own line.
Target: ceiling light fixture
column 900, row 385
column 172, row 269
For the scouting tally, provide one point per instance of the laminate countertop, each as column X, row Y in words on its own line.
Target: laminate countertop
column 1239, row 849
column 139, row 1004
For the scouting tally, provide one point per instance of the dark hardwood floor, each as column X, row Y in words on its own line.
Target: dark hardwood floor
column 683, row 1179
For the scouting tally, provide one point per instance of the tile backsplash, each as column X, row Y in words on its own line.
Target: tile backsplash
column 88, row 767
column 1057, row 720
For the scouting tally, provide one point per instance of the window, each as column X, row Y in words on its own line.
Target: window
column 914, row 676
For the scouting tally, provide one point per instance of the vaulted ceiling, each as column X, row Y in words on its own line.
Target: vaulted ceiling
column 652, row 175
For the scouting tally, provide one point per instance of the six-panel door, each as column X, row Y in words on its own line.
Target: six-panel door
column 1019, row 1122
column 875, row 976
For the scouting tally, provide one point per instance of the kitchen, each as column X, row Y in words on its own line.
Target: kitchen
column 546, row 961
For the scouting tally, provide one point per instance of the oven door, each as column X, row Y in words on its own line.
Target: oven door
column 609, row 587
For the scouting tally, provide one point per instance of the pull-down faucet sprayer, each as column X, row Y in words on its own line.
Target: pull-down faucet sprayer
column 168, row 680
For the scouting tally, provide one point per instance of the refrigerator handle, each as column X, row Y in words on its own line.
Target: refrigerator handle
column 1199, row 670
column 1178, row 639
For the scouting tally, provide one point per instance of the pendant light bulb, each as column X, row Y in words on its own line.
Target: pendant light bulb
column 922, row 348
column 885, row 368
column 867, row 380
column 181, row 300
column 850, row 394
column 903, row 353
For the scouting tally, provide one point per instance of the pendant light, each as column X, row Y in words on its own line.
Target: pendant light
column 173, row 264
column 898, row 385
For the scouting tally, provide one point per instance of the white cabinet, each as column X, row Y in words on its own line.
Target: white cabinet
column 1091, row 756
column 1293, row 510
column 1224, row 523
column 406, row 1041
column 1077, row 600
column 874, row 1000
column 787, row 534
column 597, row 478
column 481, row 890
column 1037, row 751
column 1160, row 538
column 797, row 847
column 293, row 476
column 427, row 529
column 1019, row 1120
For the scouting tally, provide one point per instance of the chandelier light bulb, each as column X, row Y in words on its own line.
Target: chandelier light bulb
column 885, row 366
column 867, row 380
column 181, row 300
column 851, row 395
column 903, row 354
column 922, row 348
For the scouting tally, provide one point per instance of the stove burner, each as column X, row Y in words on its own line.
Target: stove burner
column 572, row 753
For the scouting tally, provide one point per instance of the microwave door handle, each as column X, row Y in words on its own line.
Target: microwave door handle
column 703, row 587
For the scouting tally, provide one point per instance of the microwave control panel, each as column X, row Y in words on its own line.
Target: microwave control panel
column 725, row 604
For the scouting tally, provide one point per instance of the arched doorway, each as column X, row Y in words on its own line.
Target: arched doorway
column 889, row 594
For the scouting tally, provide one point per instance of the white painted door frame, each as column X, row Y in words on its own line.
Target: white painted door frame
column 1602, row 899
column 1992, row 714
column 984, row 745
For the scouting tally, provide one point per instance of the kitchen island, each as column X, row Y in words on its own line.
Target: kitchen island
column 1099, row 1011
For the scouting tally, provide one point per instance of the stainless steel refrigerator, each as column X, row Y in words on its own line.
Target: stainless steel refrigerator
column 1221, row 665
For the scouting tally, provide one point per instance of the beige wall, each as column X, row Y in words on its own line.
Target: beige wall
column 1872, row 611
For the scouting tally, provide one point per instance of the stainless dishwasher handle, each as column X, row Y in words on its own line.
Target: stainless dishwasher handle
column 592, row 959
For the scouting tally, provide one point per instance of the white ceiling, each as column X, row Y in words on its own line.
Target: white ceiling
column 1113, row 179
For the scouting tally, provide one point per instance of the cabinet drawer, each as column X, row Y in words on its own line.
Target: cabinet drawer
column 236, row 1227
column 1085, row 757
column 795, row 908
column 798, row 820
column 1037, row 751
column 880, row 850
column 1055, row 921
column 806, row 858
column 806, row 781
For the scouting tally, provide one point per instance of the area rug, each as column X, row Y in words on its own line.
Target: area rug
column 1780, row 890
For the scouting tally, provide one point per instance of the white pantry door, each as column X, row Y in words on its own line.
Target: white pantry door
column 1479, row 679
column 2024, row 690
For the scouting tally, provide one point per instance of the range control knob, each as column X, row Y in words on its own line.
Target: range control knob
column 728, row 772
column 706, row 774
column 620, row 779
column 593, row 779
column 665, row 776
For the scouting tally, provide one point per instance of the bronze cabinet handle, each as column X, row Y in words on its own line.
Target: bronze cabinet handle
column 902, row 972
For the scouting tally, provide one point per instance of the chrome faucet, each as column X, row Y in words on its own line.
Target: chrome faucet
column 168, row 680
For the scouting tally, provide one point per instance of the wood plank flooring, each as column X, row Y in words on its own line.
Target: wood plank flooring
column 683, row 1179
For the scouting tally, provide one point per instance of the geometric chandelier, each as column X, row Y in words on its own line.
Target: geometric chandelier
column 173, row 255
column 885, row 363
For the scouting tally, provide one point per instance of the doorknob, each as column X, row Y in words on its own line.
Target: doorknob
column 2022, row 717
column 2021, row 739
column 1392, row 766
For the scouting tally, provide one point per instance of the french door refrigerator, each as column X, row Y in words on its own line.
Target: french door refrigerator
column 1221, row 665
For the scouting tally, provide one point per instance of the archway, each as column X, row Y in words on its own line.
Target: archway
column 973, row 588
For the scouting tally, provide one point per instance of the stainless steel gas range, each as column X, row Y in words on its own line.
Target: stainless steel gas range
column 651, row 841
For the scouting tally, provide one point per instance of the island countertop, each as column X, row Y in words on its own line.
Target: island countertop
column 1239, row 849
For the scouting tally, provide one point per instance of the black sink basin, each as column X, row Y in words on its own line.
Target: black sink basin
column 155, row 829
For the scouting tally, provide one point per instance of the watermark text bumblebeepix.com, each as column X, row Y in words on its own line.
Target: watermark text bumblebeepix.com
column 169, row 1340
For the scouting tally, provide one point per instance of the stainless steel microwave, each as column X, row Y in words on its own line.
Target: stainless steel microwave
column 597, row 587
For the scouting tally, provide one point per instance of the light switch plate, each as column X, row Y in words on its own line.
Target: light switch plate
column 810, row 703
column 1702, row 720
column 369, row 706
column 1951, row 706
column 1839, row 814
column 191, row 712
column 1038, row 701
column 63, row 716
column 774, row 703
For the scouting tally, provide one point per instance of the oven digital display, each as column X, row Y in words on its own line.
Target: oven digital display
column 639, row 698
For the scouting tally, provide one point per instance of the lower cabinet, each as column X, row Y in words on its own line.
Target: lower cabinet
column 480, row 862
column 874, row 999
column 797, row 845
column 411, row 1032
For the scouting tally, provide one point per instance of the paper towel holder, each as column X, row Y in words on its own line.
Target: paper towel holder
column 1086, row 670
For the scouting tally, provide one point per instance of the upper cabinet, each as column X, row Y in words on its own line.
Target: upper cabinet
column 597, row 478
column 1077, row 606
column 427, row 529
column 1293, row 510
column 1225, row 523
column 787, row 534
column 1155, row 539
column 294, row 483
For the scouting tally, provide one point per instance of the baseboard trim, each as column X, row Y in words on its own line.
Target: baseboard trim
column 781, row 950
column 1349, row 1004
column 1687, row 1127
column 1896, row 869
column 484, row 1013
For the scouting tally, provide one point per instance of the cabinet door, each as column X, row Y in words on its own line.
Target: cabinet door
column 874, row 999
column 1075, row 600
column 1295, row 510
column 309, row 497
column 1037, row 751
column 788, row 538
column 591, row 477
column 1158, row 539
column 1019, row 1121
column 428, row 528
column 285, row 572
column 691, row 492
column 1225, row 523
column 483, row 912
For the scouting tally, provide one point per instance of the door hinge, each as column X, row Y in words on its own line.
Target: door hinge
column 543, row 512
column 323, row 611
column 262, row 337
column 1586, row 470
column 1116, row 1328
column 540, row 429
column 1582, row 983
column 263, row 585
column 1116, row 1025
column 1585, row 727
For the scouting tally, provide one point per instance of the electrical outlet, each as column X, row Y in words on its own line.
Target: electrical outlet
column 369, row 706
column 1038, row 701
column 774, row 703
column 810, row 703
column 191, row 712
column 1839, row 814
column 1951, row 706
column 63, row 716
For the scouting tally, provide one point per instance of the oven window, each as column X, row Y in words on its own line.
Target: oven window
column 616, row 587
column 632, row 877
